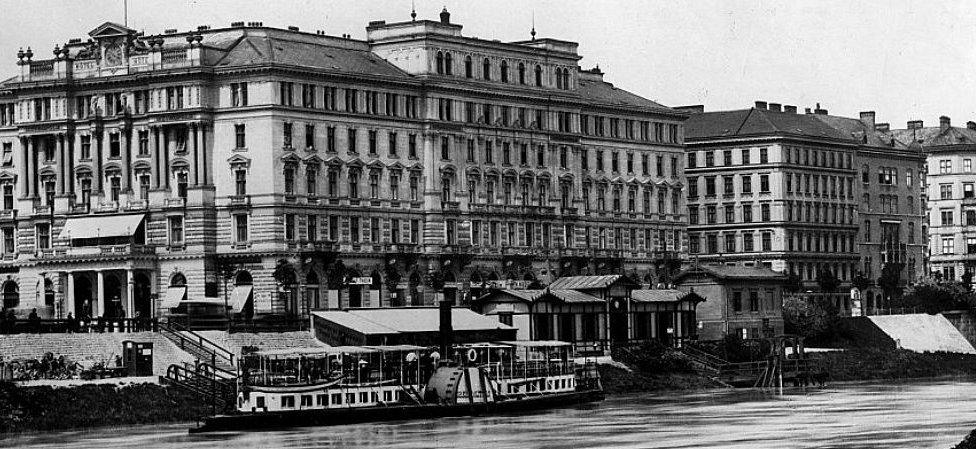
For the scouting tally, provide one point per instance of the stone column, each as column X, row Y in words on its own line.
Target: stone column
column 31, row 169
column 154, row 144
column 129, row 295
column 194, row 129
column 24, row 168
column 98, row 302
column 124, row 136
column 69, row 296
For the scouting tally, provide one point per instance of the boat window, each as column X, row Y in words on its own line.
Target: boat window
column 363, row 397
column 387, row 396
column 322, row 400
column 287, row 402
column 336, row 398
column 306, row 400
column 350, row 398
column 260, row 402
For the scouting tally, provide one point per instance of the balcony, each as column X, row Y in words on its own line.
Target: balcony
column 174, row 202
column 8, row 214
column 240, row 200
column 452, row 206
column 137, row 205
column 43, row 210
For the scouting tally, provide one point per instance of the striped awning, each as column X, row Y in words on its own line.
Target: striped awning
column 240, row 296
column 172, row 297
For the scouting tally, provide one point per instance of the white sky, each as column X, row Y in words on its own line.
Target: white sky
column 905, row 59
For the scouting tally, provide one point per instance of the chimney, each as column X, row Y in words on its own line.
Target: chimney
column 882, row 127
column 944, row 123
column 807, row 111
column 819, row 111
column 445, row 16
column 760, row 105
column 790, row 109
column 970, row 125
column 867, row 118
column 775, row 107
column 447, row 329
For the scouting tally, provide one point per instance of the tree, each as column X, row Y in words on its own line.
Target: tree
column 827, row 281
column 813, row 318
column 932, row 296
column 967, row 280
column 793, row 283
column 860, row 282
column 890, row 280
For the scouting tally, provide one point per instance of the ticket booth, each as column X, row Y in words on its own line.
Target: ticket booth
column 137, row 358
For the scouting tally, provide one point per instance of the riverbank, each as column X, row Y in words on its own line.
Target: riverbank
column 49, row 408
column 617, row 380
column 887, row 364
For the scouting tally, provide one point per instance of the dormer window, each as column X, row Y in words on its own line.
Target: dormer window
column 486, row 69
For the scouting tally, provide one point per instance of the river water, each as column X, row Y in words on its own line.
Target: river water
column 935, row 413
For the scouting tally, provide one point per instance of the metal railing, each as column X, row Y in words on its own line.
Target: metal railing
column 199, row 345
column 61, row 326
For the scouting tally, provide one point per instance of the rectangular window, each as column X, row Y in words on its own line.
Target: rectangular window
column 764, row 183
column 287, row 130
column 310, row 137
column 238, row 94
column 392, row 144
column 947, row 245
column 175, row 230
column 351, row 140
column 239, row 135
column 767, row 241
column 240, row 226
column 312, row 228
column 412, row 146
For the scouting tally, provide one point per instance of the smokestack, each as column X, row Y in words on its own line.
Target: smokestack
column 447, row 329
column 760, row 105
column 867, row 118
column 944, row 123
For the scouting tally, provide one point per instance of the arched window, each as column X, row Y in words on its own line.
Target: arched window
column 11, row 295
column 504, row 71
column 243, row 278
column 48, row 293
column 566, row 79
column 521, row 73
column 440, row 63
column 538, row 75
column 486, row 69
column 178, row 280
column 468, row 67
column 559, row 78
column 448, row 64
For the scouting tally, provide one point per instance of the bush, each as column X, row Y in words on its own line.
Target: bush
column 652, row 358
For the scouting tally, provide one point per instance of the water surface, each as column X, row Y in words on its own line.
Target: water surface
column 935, row 414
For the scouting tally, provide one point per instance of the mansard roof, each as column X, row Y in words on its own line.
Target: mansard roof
column 857, row 130
column 935, row 136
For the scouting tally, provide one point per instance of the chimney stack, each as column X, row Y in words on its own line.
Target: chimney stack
column 790, row 109
column 867, row 118
column 447, row 329
column 760, row 105
column 775, row 107
column 915, row 124
column 819, row 111
column 445, row 16
column 944, row 123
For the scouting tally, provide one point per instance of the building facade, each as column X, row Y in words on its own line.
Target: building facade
column 281, row 171
column 948, row 198
column 890, row 210
column 736, row 300
column 768, row 187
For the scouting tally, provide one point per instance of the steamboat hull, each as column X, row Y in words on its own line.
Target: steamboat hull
column 339, row 416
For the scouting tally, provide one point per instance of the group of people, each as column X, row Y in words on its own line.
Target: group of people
column 11, row 324
column 47, row 367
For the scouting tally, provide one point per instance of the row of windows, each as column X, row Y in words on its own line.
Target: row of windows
column 352, row 100
column 728, row 185
column 948, row 245
column 809, row 212
column 946, row 191
column 808, row 271
column 660, row 163
column 749, row 243
column 614, row 127
column 754, row 302
column 819, row 185
column 7, row 117
column 729, row 214
column 945, row 166
column 444, row 65
column 817, row 242
column 745, row 157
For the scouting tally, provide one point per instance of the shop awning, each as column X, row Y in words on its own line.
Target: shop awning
column 101, row 226
column 172, row 297
column 239, row 297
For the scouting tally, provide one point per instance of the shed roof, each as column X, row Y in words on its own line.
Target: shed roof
column 662, row 295
column 408, row 319
column 587, row 282
column 736, row 272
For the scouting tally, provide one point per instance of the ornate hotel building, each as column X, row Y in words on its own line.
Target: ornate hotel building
column 282, row 171
column 950, row 193
column 804, row 192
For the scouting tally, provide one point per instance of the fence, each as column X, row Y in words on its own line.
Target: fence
column 53, row 326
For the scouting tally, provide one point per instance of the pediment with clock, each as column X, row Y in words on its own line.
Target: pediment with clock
column 114, row 42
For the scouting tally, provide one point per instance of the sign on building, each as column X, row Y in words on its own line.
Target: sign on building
column 361, row 280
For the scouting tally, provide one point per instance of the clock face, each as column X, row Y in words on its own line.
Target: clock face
column 113, row 55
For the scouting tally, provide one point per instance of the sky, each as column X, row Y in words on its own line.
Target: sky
column 904, row 59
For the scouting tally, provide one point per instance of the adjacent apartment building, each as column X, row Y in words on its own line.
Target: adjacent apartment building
column 949, row 195
column 282, row 171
